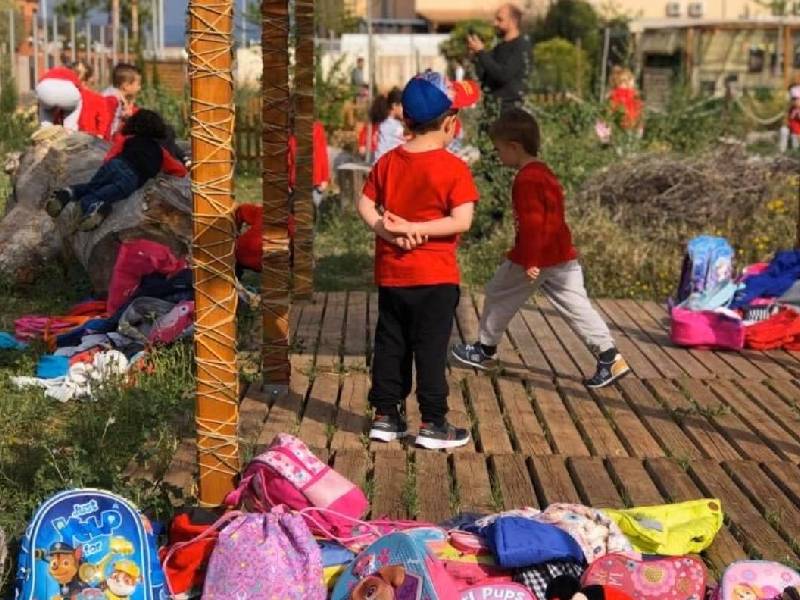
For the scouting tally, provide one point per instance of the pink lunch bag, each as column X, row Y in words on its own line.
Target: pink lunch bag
column 289, row 474
column 673, row 578
column 755, row 580
column 706, row 329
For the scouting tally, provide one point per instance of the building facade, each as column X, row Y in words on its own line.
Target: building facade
column 693, row 9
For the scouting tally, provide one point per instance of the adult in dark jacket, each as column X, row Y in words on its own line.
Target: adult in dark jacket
column 504, row 69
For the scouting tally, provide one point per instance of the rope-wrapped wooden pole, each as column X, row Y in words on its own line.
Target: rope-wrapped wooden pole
column 212, row 119
column 303, row 130
column 276, row 271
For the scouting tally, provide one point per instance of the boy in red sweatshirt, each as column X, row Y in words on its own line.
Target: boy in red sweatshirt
column 543, row 258
column 418, row 199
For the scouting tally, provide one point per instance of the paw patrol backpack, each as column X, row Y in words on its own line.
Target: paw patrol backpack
column 89, row 544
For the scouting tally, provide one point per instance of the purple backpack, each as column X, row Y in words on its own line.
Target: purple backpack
column 289, row 474
column 265, row 555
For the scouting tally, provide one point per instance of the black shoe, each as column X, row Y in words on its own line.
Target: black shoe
column 96, row 215
column 388, row 428
column 608, row 372
column 473, row 355
column 57, row 201
column 441, row 438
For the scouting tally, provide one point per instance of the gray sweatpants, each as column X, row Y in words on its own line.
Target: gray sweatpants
column 563, row 285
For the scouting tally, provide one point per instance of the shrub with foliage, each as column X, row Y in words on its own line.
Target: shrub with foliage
column 559, row 66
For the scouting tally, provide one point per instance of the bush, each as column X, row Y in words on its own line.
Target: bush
column 332, row 90
column 559, row 66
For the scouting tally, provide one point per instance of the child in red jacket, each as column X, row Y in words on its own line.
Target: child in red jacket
column 137, row 156
column 542, row 258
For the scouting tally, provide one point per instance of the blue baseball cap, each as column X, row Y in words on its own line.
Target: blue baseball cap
column 425, row 98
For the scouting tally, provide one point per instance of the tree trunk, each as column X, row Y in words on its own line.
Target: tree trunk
column 29, row 238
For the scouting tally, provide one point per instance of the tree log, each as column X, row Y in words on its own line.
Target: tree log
column 29, row 238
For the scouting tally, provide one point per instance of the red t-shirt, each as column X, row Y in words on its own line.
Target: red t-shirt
column 543, row 237
column 320, row 168
column 422, row 186
column 627, row 100
column 794, row 120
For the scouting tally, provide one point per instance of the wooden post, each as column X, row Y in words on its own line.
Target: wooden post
column 135, row 24
column 788, row 54
column 275, row 274
column 114, row 31
column 212, row 121
column 73, row 39
column 689, row 57
column 303, row 282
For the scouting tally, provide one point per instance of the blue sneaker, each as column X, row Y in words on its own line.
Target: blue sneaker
column 473, row 355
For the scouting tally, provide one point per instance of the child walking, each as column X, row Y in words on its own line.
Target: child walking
column 136, row 157
column 543, row 257
column 417, row 199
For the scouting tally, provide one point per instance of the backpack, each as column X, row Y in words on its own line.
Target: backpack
column 708, row 261
column 265, row 555
column 746, row 579
column 89, row 544
column 289, row 474
column 672, row 578
column 717, row 329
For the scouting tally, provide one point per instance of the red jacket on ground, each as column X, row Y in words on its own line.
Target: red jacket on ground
column 543, row 237
column 94, row 118
column 169, row 164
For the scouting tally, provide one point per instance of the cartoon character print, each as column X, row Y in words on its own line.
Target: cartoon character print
column 388, row 583
column 63, row 566
column 123, row 581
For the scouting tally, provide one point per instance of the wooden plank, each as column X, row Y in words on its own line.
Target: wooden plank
column 787, row 477
column 295, row 316
column 330, row 341
column 183, row 468
column 529, row 435
column 554, row 415
column 305, row 342
column 493, row 437
column 318, row 417
column 467, row 318
column 355, row 343
column 552, row 480
column 472, row 483
column 575, row 347
column 514, row 481
column 652, row 351
column 765, row 361
column 759, row 422
column 785, row 415
column 286, row 407
column 353, row 463
column 532, row 356
column 352, row 419
column 506, row 353
column 389, row 485
column 779, row 510
column 593, row 482
column 597, row 433
column 637, row 439
column 676, row 485
column 253, row 411
column 557, row 356
column 708, row 441
column 709, row 360
column 680, row 356
column 433, row 486
column 790, row 393
column 458, row 414
column 631, row 477
column 744, row 517
column 658, row 420
column 372, row 323
column 637, row 361
column 730, row 425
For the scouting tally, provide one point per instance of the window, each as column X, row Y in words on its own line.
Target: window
column 673, row 9
column 756, row 60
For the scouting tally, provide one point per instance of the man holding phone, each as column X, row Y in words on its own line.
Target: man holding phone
column 503, row 70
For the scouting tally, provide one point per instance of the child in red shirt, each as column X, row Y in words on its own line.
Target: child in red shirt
column 543, row 257
column 417, row 199
column 624, row 98
column 791, row 131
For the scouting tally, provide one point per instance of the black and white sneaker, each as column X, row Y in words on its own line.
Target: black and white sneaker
column 441, row 438
column 57, row 201
column 388, row 428
column 473, row 355
column 608, row 372
column 96, row 215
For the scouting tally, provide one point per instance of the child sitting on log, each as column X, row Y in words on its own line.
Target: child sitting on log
column 145, row 148
column 543, row 258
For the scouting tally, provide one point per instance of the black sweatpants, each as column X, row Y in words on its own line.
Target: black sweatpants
column 414, row 323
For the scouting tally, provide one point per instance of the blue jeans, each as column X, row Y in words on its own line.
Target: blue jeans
column 113, row 181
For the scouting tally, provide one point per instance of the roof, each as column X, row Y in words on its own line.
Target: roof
column 765, row 22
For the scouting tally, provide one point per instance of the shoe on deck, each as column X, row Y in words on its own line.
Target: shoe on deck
column 96, row 215
column 608, row 373
column 473, row 355
column 441, row 438
column 387, row 428
column 57, row 201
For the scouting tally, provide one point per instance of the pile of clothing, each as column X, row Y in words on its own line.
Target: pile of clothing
column 150, row 302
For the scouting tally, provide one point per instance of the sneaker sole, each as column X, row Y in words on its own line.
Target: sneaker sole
column 379, row 435
column 90, row 223
column 434, row 444
column 53, row 208
column 469, row 363
column 616, row 377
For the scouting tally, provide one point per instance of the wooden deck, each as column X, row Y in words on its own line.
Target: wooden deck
column 685, row 424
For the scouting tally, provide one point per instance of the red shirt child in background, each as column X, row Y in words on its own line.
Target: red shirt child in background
column 121, row 96
column 624, row 98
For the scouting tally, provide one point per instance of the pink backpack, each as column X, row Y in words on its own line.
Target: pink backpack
column 265, row 555
column 289, row 474
column 673, row 578
column 755, row 580
column 706, row 329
